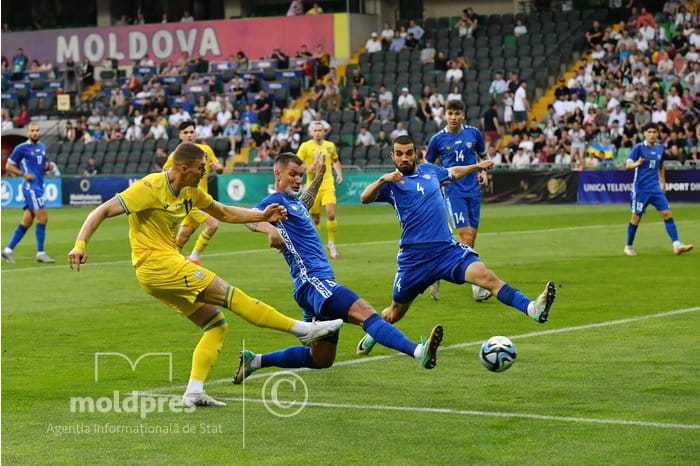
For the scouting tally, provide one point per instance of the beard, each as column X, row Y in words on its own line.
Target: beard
column 407, row 169
column 291, row 193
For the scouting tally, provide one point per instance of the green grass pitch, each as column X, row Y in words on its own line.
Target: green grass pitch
column 613, row 378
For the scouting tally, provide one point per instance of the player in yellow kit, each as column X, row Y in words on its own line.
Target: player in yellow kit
column 326, row 194
column 196, row 216
column 156, row 204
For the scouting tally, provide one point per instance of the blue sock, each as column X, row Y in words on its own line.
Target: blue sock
column 513, row 297
column 17, row 236
column 294, row 356
column 388, row 335
column 631, row 231
column 40, row 236
column 671, row 229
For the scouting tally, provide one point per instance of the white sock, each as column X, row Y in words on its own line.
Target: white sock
column 38, row 253
column 256, row 363
column 195, row 386
column 301, row 328
column 676, row 244
column 418, row 352
column 530, row 307
column 194, row 254
column 8, row 250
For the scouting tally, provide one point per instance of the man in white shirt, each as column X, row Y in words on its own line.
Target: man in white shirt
column 520, row 103
column 498, row 85
column 156, row 131
column 414, row 29
column 373, row 44
column 454, row 74
column 364, row 138
column 617, row 114
column 406, row 100
column 398, row 131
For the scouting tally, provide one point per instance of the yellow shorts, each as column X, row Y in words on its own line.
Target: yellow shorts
column 324, row 196
column 175, row 281
column 195, row 218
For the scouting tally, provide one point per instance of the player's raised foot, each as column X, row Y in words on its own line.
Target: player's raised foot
column 365, row 345
column 7, row 255
column 480, row 294
column 43, row 257
column 430, row 346
column 194, row 261
column 190, row 400
column 539, row 308
column 680, row 249
column 629, row 251
column 321, row 329
column 332, row 251
column 434, row 290
column 245, row 359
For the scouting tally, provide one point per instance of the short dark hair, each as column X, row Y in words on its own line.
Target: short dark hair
column 454, row 104
column 403, row 139
column 186, row 124
column 650, row 126
column 187, row 153
column 285, row 158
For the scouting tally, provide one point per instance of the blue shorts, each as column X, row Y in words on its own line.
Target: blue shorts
column 465, row 211
column 640, row 201
column 33, row 200
column 420, row 266
column 325, row 300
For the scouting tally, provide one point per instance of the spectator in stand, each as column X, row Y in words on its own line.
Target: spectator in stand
column 373, row 44
column 406, row 100
column 296, row 8
column 645, row 18
column 331, row 101
column 357, row 79
column 490, row 124
column 399, row 130
column 367, row 113
column 323, row 60
column 411, row 43
column 464, row 27
column 595, row 35
column 441, row 61
column 364, row 138
column 19, row 61
column 385, row 113
column 498, row 85
column 156, row 130
column 427, row 55
column 7, row 123
column 186, row 17
column 315, row 9
column 22, row 118
column 454, row 74
column 92, row 168
column 520, row 29
column 456, row 94
column 520, row 102
column 415, row 29
column 520, row 159
column 386, row 35
column 87, row 73
column 397, row 43
column 385, row 94
column 493, row 154
column 438, row 112
column 470, row 14
column 382, row 139
column 158, row 160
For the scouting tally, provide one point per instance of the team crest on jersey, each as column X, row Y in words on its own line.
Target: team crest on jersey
column 469, row 145
column 199, row 274
column 426, row 177
column 295, row 208
column 448, row 148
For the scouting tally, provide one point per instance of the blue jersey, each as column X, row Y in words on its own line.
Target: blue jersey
column 304, row 251
column 419, row 205
column 646, row 177
column 31, row 158
column 456, row 150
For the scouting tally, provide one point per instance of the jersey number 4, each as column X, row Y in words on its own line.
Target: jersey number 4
column 420, row 189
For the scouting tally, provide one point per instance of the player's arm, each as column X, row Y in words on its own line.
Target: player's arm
column 633, row 162
column 12, row 168
column 309, row 195
column 458, row 172
column 372, row 190
column 107, row 209
column 274, row 239
column 233, row 214
column 662, row 177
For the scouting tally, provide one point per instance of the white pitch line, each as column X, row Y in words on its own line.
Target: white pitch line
column 519, row 233
column 661, row 425
column 456, row 345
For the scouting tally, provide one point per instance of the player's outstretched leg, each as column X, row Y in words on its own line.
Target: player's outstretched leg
column 245, row 366
column 434, row 290
column 480, row 294
column 430, row 346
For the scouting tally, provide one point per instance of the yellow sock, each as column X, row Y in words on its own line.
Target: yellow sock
column 331, row 226
column 202, row 242
column 209, row 347
column 256, row 312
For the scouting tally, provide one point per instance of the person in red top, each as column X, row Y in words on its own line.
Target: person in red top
column 645, row 18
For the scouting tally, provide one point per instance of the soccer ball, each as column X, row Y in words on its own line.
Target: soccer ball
column 497, row 353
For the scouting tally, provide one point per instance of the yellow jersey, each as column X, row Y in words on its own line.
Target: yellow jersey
column 307, row 154
column 211, row 158
column 155, row 211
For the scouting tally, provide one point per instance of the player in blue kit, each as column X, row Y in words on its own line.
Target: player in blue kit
column 29, row 161
column 315, row 288
column 649, row 187
column 427, row 250
column 460, row 145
